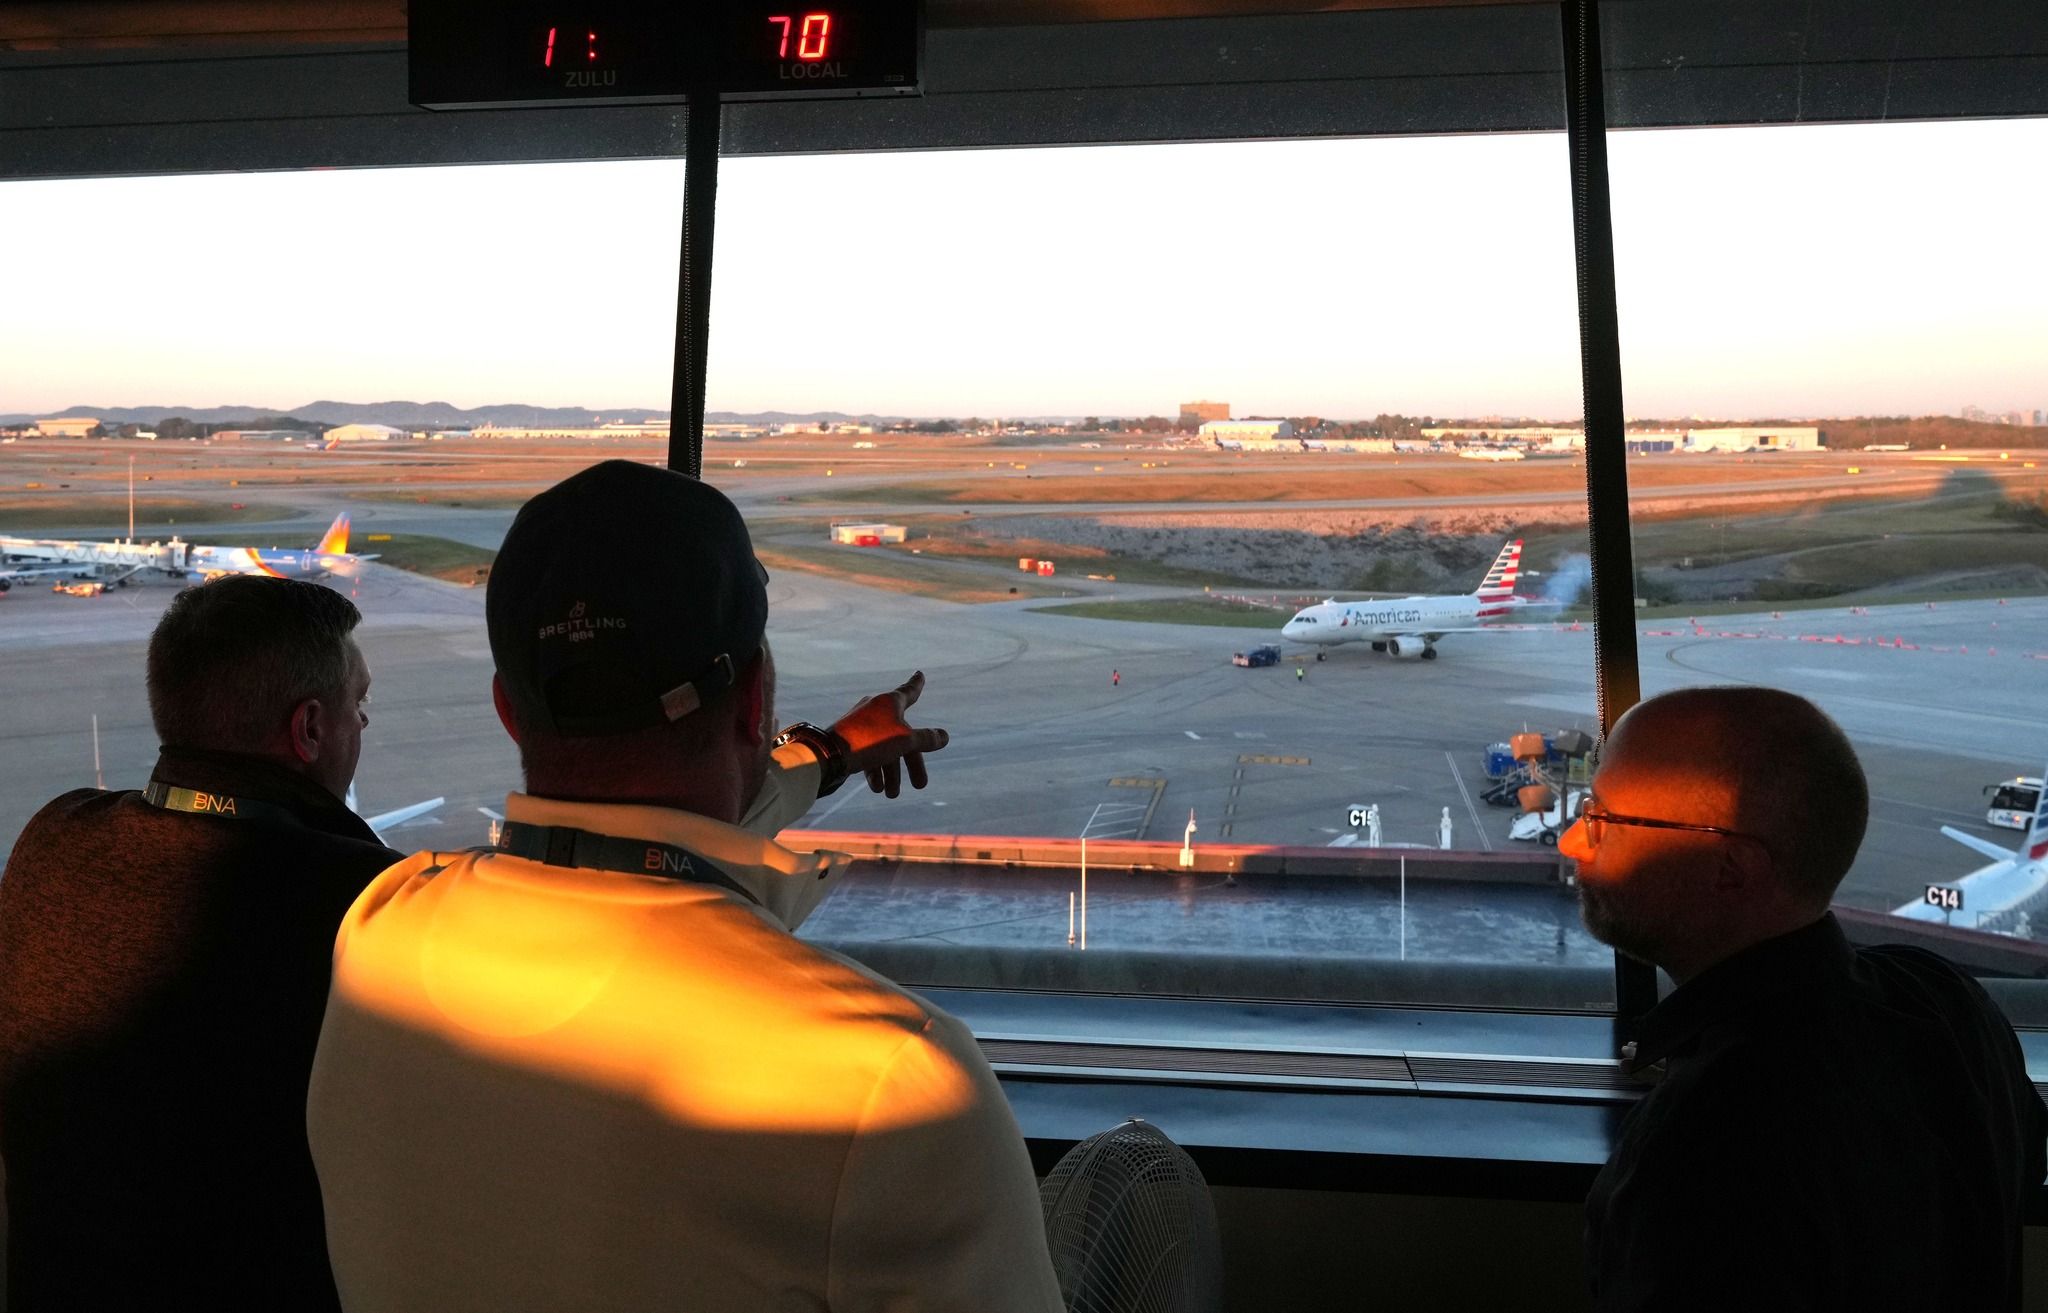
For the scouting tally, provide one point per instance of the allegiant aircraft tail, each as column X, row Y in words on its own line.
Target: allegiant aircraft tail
column 336, row 541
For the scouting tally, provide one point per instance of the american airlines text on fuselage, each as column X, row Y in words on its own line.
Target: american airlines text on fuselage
column 1408, row 616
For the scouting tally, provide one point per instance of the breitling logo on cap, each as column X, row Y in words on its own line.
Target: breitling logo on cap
column 580, row 627
column 585, row 649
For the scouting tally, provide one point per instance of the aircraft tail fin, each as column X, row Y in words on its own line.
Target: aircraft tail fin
column 335, row 543
column 1507, row 567
column 2036, row 847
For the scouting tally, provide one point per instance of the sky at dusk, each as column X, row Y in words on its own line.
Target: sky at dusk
column 1870, row 269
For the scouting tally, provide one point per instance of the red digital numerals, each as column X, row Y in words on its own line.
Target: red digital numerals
column 547, row 58
column 813, row 35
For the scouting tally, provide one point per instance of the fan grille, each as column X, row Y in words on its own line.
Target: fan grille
column 1131, row 1226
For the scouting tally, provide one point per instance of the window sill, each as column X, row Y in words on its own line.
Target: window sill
column 1518, row 1139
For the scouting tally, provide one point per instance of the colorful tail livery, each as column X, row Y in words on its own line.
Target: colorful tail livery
column 1500, row 580
column 336, row 541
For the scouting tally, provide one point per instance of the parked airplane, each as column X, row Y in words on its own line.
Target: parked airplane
column 391, row 820
column 1985, row 898
column 191, row 562
column 1410, row 626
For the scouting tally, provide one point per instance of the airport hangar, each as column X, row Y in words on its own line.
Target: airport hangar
column 1350, row 1189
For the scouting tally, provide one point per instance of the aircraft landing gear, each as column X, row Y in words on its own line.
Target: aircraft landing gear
column 1322, row 656
column 1429, row 654
column 1379, row 646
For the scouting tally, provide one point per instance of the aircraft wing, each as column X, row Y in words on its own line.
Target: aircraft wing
column 1983, row 847
column 391, row 820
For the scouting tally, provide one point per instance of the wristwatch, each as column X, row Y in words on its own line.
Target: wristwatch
column 830, row 750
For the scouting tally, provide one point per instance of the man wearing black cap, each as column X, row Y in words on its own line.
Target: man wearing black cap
column 594, row 1068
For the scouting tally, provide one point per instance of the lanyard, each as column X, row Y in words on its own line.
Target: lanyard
column 563, row 845
column 199, row 802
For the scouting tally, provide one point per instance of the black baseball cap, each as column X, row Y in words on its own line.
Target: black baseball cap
column 624, row 597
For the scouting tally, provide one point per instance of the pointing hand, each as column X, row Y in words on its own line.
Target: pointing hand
column 880, row 743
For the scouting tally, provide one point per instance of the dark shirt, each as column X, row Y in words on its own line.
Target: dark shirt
column 1833, row 1129
column 162, row 981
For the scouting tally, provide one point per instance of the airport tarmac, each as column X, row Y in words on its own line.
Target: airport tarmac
column 1940, row 702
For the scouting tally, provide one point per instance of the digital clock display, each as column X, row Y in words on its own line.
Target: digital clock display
column 477, row 53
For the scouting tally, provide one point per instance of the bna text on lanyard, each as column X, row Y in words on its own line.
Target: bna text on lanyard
column 228, row 806
column 564, row 845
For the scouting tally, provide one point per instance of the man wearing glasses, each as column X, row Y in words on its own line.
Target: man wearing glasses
column 1828, row 1127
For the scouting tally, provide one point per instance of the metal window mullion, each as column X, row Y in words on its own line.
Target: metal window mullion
column 693, row 286
column 1614, row 609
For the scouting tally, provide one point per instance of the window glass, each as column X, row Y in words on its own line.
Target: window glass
column 418, row 349
column 1832, row 339
column 1227, row 401
column 1076, row 432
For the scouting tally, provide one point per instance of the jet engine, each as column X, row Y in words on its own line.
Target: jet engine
column 1408, row 647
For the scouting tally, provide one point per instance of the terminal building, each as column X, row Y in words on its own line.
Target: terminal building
column 1248, row 430
column 260, row 435
column 1746, row 438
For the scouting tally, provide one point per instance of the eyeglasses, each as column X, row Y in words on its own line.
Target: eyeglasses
column 1597, row 818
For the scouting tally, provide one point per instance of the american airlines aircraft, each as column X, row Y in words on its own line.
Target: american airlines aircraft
column 1989, row 893
column 194, row 563
column 1410, row 626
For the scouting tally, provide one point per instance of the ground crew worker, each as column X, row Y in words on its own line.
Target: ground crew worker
column 163, row 967
column 1299, row 674
column 1114, row 679
column 595, row 1068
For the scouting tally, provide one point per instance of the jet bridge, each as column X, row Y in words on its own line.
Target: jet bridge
column 171, row 557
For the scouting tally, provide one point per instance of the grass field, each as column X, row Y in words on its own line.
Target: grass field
column 462, row 563
column 1176, row 611
column 901, row 574
column 108, row 516
column 1972, row 538
column 1203, row 477
column 474, row 499
column 1071, row 558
